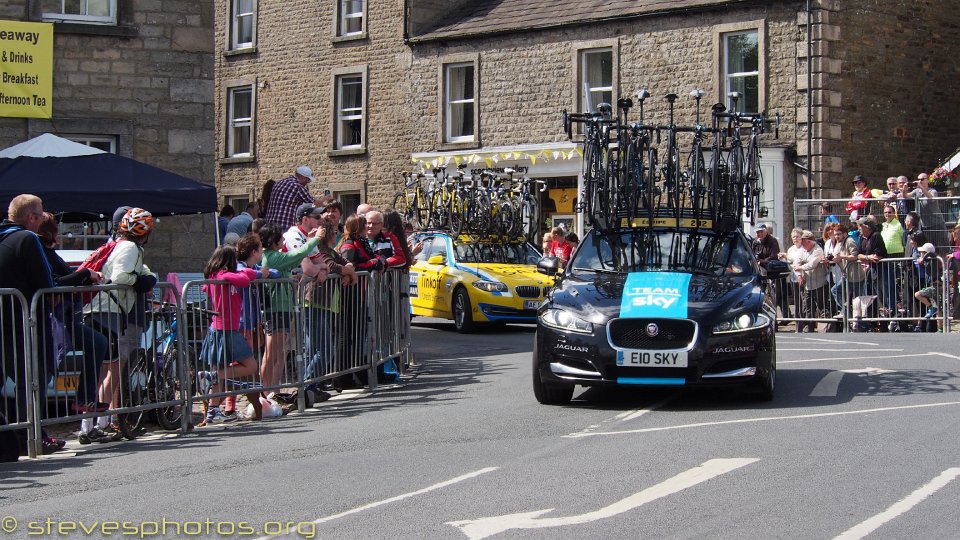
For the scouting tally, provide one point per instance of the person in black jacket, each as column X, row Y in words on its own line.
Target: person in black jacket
column 23, row 267
column 872, row 249
column 80, row 337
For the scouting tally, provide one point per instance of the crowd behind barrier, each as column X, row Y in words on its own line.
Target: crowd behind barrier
column 884, row 297
column 298, row 338
column 937, row 217
column 901, row 292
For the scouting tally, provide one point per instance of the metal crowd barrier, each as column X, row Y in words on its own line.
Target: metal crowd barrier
column 885, row 295
column 68, row 348
column 17, row 368
column 938, row 216
column 303, row 333
column 89, row 352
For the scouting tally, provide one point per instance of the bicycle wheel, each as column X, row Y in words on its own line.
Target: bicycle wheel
column 531, row 217
column 458, row 208
column 480, row 217
column 169, row 387
column 135, row 379
column 406, row 206
column 505, row 218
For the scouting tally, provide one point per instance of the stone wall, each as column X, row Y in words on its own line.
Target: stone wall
column 148, row 82
column 897, row 110
column 293, row 66
column 527, row 79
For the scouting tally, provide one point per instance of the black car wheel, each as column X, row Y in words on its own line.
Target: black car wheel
column 462, row 314
column 766, row 387
column 548, row 394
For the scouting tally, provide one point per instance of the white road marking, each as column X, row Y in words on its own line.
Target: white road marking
column 489, row 526
column 637, row 414
column 427, row 489
column 627, row 415
column 825, row 340
column 779, row 349
column 947, row 355
column 762, row 419
column 901, row 506
column 849, row 358
column 829, row 385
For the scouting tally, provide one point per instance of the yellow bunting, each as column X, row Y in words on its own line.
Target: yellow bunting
column 489, row 162
column 533, row 159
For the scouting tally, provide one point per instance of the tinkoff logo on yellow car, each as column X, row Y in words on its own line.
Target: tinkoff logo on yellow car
column 475, row 282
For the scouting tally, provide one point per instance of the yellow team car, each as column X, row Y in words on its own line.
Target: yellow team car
column 475, row 282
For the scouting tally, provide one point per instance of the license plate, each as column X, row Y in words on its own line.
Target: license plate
column 652, row 359
column 67, row 383
column 531, row 304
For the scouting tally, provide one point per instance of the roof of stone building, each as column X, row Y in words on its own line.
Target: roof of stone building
column 500, row 16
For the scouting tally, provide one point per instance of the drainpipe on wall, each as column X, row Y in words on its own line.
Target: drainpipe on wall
column 406, row 22
column 809, row 100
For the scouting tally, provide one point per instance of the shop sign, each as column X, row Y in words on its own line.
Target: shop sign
column 26, row 69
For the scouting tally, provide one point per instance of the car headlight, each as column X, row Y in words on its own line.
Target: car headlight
column 742, row 323
column 564, row 320
column 490, row 286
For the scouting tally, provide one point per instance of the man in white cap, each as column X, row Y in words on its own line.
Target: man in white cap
column 287, row 195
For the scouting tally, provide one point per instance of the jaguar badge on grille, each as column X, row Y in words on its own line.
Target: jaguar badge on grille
column 653, row 329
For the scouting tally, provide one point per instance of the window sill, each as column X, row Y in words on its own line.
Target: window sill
column 346, row 152
column 351, row 37
column 114, row 30
column 466, row 145
column 232, row 160
column 240, row 52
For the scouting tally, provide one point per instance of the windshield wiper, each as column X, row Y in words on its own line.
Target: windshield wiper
column 599, row 270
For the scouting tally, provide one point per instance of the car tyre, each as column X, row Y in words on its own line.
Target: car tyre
column 549, row 394
column 766, row 387
column 462, row 312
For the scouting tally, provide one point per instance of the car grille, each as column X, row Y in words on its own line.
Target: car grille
column 632, row 333
column 527, row 291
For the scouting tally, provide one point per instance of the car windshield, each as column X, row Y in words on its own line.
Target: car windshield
column 638, row 250
column 497, row 253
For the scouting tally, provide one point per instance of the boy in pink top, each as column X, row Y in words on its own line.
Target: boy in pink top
column 224, row 347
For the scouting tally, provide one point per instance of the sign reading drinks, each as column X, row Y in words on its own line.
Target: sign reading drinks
column 26, row 69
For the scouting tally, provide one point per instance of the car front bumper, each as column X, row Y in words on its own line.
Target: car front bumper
column 712, row 360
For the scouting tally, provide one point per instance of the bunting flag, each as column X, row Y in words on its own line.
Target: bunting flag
column 493, row 158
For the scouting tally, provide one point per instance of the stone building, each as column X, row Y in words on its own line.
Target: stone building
column 360, row 90
column 134, row 78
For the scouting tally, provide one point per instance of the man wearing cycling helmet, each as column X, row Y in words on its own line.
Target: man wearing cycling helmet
column 119, row 313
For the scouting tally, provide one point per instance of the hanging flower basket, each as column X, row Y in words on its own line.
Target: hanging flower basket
column 941, row 178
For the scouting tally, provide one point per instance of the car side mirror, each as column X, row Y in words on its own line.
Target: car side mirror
column 549, row 266
column 435, row 259
column 777, row 269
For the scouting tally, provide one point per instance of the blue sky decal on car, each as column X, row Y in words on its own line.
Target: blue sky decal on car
column 655, row 294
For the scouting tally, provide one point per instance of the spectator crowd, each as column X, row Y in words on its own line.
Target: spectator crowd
column 886, row 258
column 299, row 237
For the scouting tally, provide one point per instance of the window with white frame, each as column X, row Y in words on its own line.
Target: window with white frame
column 80, row 11
column 242, row 24
column 596, row 76
column 107, row 143
column 741, row 69
column 350, row 17
column 239, row 140
column 348, row 131
column 459, row 102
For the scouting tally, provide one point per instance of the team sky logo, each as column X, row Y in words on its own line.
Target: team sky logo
column 655, row 294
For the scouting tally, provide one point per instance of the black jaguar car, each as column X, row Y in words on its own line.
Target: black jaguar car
column 656, row 307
